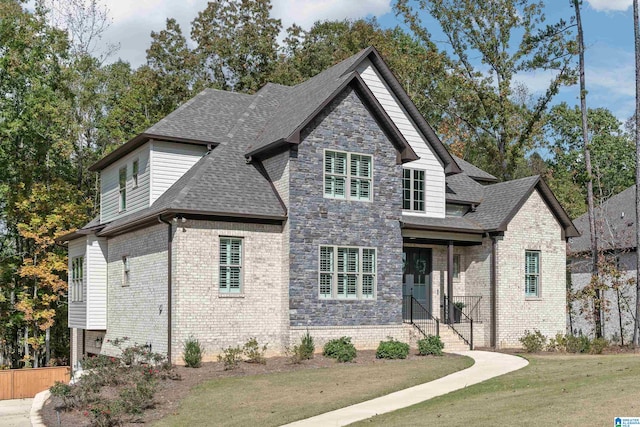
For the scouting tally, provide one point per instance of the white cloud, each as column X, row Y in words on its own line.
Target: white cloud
column 306, row 12
column 610, row 5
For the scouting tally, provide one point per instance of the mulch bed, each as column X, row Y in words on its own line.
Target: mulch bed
column 171, row 392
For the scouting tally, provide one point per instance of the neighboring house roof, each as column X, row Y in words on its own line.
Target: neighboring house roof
column 615, row 224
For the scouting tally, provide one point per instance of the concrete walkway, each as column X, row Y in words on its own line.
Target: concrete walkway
column 15, row 412
column 487, row 365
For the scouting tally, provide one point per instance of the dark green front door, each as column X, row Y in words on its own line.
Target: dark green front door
column 416, row 277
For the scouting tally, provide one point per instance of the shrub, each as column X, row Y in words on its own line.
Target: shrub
column 302, row 351
column 533, row 342
column 64, row 392
column 253, row 352
column 558, row 343
column 430, row 345
column 135, row 399
column 392, row 349
column 340, row 349
column 598, row 345
column 192, row 353
column 230, row 357
column 578, row 344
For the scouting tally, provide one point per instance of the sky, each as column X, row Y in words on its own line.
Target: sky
column 608, row 28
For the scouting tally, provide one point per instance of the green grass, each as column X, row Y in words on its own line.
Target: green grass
column 279, row 398
column 550, row 391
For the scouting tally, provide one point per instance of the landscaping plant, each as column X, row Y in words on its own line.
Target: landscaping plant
column 430, row 345
column 533, row 342
column 253, row 352
column 192, row 353
column 230, row 357
column 302, row 351
column 392, row 349
column 340, row 349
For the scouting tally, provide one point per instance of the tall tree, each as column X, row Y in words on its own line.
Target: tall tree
column 636, row 32
column 487, row 45
column 597, row 312
column 236, row 43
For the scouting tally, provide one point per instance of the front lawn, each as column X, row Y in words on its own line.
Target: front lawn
column 279, row 398
column 554, row 390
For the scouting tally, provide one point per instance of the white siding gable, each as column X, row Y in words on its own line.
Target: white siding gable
column 169, row 161
column 137, row 197
column 428, row 161
column 96, row 282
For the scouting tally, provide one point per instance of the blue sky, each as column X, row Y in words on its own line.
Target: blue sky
column 608, row 27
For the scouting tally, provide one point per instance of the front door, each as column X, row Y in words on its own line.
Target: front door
column 416, row 277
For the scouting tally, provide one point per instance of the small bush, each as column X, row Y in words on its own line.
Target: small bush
column 598, row 345
column 392, row 349
column 302, row 351
column 137, row 398
column 64, row 392
column 253, row 352
column 230, row 357
column 192, row 353
column 558, row 343
column 430, row 345
column 578, row 344
column 533, row 342
column 340, row 349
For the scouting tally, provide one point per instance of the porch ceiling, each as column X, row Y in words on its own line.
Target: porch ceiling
column 440, row 237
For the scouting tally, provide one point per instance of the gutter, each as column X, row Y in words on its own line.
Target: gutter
column 169, row 284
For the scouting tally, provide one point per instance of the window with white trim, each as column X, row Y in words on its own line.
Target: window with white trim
column 122, row 183
column 126, row 271
column 348, row 175
column 134, row 172
column 230, row 265
column 347, row 272
column 77, row 279
column 413, row 190
column 532, row 273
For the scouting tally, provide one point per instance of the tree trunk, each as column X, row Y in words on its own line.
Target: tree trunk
column 636, row 32
column 587, row 161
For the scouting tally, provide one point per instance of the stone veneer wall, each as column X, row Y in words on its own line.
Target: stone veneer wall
column 221, row 320
column 533, row 228
column 139, row 310
column 345, row 125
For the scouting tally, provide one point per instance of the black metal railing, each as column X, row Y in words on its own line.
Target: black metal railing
column 470, row 305
column 458, row 321
column 415, row 313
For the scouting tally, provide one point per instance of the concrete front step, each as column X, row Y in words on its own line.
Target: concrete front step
column 452, row 342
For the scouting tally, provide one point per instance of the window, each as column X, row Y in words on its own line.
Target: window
column 123, row 188
column 77, row 279
column 230, row 265
column 126, row 271
column 532, row 273
column 347, row 176
column 347, row 272
column 413, row 190
column 134, row 173
column 456, row 266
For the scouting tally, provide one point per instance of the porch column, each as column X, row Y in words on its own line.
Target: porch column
column 450, row 281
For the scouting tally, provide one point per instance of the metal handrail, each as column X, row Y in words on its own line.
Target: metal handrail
column 415, row 313
column 467, row 337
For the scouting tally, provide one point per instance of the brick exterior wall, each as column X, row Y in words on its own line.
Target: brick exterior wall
column 138, row 311
column 477, row 261
column 533, row 228
column 221, row 320
column 347, row 125
column 580, row 321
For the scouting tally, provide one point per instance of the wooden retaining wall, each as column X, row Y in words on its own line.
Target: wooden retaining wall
column 21, row 383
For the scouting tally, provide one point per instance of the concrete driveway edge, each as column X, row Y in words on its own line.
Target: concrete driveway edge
column 36, row 408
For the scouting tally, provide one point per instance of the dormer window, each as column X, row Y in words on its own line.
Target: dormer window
column 413, row 190
column 123, row 189
column 347, row 176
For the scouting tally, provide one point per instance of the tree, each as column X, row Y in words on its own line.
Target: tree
column 236, row 43
column 508, row 37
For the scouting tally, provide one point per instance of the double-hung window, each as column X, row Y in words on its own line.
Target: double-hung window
column 230, row 265
column 532, row 273
column 413, row 190
column 347, row 272
column 134, row 172
column 348, row 175
column 77, row 279
column 122, row 183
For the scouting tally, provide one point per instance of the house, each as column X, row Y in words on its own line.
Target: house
column 615, row 221
column 330, row 206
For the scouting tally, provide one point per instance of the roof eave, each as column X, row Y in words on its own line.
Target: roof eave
column 137, row 142
column 409, row 226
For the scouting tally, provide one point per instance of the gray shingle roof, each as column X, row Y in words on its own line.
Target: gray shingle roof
column 455, row 223
column 463, row 189
column 474, row 171
column 615, row 224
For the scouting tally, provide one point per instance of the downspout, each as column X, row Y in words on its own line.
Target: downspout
column 494, row 304
column 169, row 276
